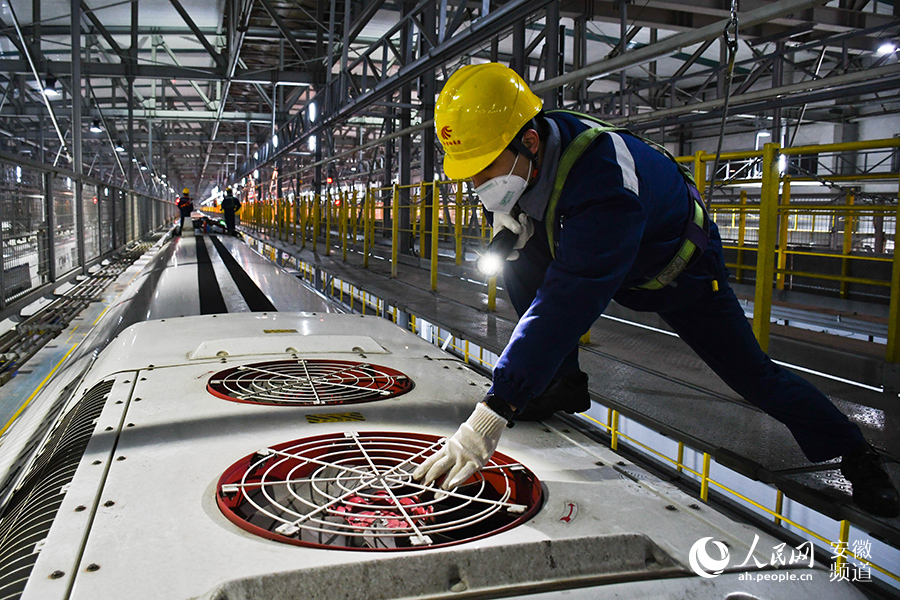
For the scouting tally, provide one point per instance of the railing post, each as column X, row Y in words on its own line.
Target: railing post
column 700, row 171
column 353, row 213
column 317, row 209
column 345, row 196
column 457, row 223
column 680, row 464
column 892, row 354
column 704, row 482
column 840, row 552
column 847, row 247
column 765, row 256
column 435, row 223
column 779, row 506
column 492, row 293
column 614, row 431
column 304, row 219
column 742, row 230
column 783, row 220
column 329, row 203
column 422, row 213
column 395, row 228
column 365, row 207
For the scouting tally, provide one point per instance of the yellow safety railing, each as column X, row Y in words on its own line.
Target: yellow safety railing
column 613, row 427
column 765, row 229
column 776, row 222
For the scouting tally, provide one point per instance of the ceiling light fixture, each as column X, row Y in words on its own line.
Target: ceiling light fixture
column 50, row 87
column 886, row 48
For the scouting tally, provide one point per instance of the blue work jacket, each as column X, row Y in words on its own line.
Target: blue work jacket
column 619, row 221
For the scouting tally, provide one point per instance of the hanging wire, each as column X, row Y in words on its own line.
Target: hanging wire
column 731, row 42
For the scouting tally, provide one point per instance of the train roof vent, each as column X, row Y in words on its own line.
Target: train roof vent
column 305, row 382
column 354, row 491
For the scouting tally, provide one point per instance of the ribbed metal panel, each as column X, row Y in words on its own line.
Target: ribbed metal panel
column 33, row 507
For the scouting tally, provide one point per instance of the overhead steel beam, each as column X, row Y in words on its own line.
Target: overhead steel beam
column 674, row 43
column 85, row 9
column 480, row 31
column 685, row 16
column 369, row 10
column 190, row 116
column 217, row 58
column 97, row 69
column 885, row 77
column 285, row 30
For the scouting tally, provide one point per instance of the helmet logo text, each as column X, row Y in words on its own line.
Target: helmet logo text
column 446, row 134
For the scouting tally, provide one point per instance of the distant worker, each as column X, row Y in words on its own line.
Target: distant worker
column 230, row 205
column 599, row 214
column 185, row 208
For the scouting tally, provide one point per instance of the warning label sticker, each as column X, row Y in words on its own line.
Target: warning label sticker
column 335, row 417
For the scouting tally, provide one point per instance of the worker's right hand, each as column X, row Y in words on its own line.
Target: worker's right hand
column 521, row 226
column 467, row 451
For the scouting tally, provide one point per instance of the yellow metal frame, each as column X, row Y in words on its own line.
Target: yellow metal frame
column 613, row 427
column 772, row 218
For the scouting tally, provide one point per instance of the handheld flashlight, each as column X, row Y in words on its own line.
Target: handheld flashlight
column 491, row 262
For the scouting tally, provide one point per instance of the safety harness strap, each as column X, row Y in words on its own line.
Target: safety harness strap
column 696, row 235
column 566, row 162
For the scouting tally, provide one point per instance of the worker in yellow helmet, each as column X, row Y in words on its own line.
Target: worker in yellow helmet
column 595, row 213
column 185, row 208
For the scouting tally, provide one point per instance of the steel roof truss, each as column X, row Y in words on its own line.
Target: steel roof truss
column 285, row 31
column 217, row 58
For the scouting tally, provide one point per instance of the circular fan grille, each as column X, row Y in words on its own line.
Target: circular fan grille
column 354, row 491
column 301, row 382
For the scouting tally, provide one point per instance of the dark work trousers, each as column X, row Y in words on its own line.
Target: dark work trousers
column 185, row 214
column 715, row 327
column 229, row 221
column 713, row 324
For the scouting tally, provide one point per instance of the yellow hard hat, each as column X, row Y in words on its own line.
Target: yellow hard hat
column 478, row 113
column 185, row 191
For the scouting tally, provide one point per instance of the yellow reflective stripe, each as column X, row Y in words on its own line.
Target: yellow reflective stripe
column 685, row 172
column 677, row 264
column 568, row 160
column 574, row 151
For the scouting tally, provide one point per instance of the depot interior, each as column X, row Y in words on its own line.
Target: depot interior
column 319, row 116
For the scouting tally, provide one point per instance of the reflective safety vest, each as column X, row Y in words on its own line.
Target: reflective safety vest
column 696, row 235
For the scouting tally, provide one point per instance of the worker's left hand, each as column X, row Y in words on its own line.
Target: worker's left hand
column 521, row 226
column 467, row 451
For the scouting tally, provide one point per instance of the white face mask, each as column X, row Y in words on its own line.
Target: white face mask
column 500, row 194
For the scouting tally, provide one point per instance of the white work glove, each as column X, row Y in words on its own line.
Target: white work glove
column 522, row 227
column 467, row 451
